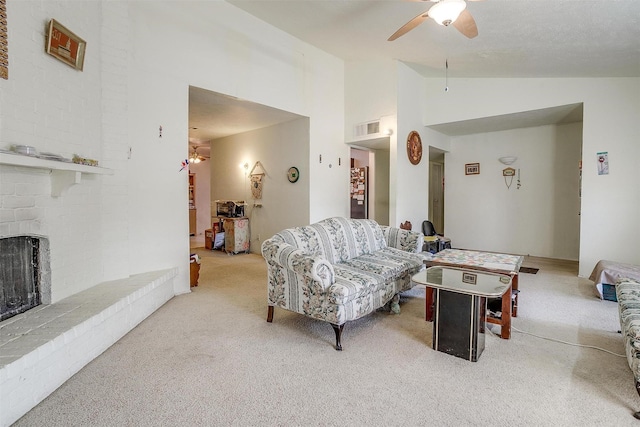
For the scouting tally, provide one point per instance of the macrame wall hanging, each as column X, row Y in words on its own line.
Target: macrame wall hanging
column 257, row 177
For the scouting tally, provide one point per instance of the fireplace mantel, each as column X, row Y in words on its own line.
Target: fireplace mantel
column 63, row 174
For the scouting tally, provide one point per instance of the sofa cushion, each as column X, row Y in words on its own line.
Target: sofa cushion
column 305, row 238
column 628, row 294
column 372, row 272
column 336, row 239
column 344, row 239
column 352, row 283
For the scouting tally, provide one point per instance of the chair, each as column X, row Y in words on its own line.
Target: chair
column 434, row 246
column 428, row 229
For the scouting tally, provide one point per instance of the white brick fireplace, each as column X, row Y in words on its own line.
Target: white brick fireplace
column 82, row 311
column 113, row 238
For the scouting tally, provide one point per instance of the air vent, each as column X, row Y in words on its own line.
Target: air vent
column 368, row 128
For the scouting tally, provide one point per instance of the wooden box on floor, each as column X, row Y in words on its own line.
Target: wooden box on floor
column 236, row 235
column 208, row 238
column 194, row 271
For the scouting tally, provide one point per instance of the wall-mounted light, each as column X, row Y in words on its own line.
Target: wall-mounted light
column 507, row 160
column 388, row 132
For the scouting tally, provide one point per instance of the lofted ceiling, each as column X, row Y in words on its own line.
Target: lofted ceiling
column 517, row 38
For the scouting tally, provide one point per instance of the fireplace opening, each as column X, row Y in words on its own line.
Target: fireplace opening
column 19, row 275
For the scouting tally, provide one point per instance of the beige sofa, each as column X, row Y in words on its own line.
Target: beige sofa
column 340, row 269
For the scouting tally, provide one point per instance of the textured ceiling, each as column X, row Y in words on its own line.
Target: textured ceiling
column 517, row 38
column 213, row 115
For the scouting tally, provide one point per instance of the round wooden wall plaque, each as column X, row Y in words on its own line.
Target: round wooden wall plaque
column 414, row 147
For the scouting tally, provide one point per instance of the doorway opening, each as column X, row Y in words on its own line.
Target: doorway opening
column 372, row 156
column 436, row 188
column 233, row 135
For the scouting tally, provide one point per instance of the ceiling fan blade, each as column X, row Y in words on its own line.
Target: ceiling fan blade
column 409, row 26
column 466, row 24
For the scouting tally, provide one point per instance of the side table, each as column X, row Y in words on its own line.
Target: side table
column 460, row 306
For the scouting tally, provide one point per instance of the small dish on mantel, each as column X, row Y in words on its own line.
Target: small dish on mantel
column 53, row 156
column 27, row 150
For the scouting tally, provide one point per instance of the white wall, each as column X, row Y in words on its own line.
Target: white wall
column 409, row 183
column 380, row 181
column 215, row 46
column 540, row 218
column 370, row 94
column 55, row 108
column 283, row 204
column 611, row 109
column 135, row 81
column 360, row 158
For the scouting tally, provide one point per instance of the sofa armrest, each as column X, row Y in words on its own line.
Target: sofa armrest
column 406, row 240
column 289, row 257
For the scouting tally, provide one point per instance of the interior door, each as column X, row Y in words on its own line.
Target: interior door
column 436, row 195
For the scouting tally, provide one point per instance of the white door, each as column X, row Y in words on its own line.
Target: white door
column 436, row 196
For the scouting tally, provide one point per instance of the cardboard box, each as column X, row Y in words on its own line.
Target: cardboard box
column 208, row 239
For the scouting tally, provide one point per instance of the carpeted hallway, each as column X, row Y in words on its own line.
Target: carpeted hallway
column 210, row 358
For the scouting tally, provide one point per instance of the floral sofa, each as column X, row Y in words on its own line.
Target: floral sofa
column 628, row 295
column 340, row 269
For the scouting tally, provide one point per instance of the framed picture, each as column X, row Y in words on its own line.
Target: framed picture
column 472, row 169
column 65, row 45
column 469, row 278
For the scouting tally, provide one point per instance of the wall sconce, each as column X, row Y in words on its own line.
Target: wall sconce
column 388, row 132
column 507, row 160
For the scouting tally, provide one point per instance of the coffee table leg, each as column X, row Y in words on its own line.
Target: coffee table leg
column 505, row 324
column 428, row 304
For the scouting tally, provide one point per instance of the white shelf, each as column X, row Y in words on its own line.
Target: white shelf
column 63, row 174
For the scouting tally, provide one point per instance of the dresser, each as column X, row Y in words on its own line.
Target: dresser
column 236, row 235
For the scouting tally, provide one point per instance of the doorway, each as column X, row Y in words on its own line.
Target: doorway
column 436, row 189
column 360, row 187
column 226, row 133
column 374, row 156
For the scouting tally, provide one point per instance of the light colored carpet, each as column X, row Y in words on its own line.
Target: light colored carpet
column 210, row 358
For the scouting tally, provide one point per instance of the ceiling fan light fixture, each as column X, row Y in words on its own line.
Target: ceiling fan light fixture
column 194, row 157
column 445, row 12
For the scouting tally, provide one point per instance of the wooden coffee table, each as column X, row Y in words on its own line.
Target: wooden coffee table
column 482, row 261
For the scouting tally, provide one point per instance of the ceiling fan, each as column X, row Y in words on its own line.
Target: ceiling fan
column 444, row 12
column 194, row 157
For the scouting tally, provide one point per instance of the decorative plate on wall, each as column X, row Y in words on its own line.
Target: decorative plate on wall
column 414, row 147
column 293, row 174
